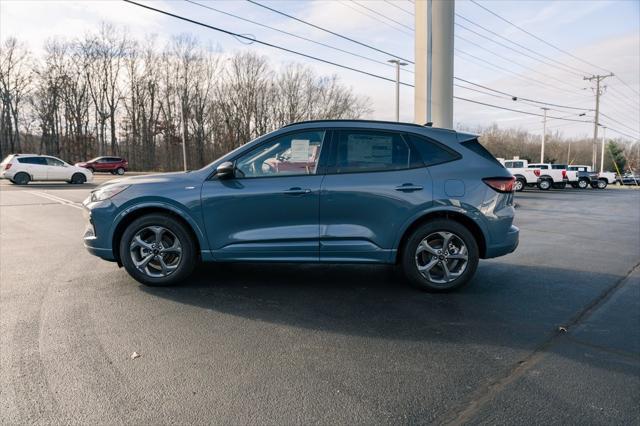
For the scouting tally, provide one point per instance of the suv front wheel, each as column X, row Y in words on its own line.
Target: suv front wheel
column 157, row 250
column 440, row 256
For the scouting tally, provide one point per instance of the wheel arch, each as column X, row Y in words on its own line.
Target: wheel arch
column 134, row 213
column 456, row 216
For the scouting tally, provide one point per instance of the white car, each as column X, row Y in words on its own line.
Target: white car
column 21, row 169
column 550, row 177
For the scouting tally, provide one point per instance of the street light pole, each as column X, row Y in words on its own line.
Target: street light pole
column 398, row 64
column 604, row 130
column 544, row 134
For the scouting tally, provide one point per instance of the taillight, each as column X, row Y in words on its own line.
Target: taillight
column 7, row 166
column 564, row 174
column 500, row 184
column 536, row 172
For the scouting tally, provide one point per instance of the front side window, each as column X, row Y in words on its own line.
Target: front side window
column 291, row 154
column 54, row 162
column 369, row 151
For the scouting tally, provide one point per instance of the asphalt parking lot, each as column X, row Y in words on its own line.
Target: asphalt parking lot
column 300, row 344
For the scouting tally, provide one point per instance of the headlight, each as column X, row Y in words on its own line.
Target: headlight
column 107, row 192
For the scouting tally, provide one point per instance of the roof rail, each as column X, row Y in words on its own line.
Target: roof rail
column 356, row 121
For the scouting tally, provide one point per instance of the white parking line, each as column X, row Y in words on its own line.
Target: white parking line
column 57, row 199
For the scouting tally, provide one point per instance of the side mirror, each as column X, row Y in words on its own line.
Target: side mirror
column 225, row 170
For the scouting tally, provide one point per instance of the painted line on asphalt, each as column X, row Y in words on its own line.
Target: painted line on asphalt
column 57, row 199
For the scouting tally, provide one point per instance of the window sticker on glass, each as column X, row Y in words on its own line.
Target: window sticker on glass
column 370, row 148
column 299, row 150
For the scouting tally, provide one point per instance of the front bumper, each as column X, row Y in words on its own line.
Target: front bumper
column 507, row 245
column 96, row 236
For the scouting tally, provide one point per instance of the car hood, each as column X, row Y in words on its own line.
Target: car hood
column 153, row 178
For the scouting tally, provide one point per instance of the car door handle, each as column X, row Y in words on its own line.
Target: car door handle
column 409, row 187
column 297, row 191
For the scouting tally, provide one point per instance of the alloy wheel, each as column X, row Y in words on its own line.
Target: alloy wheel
column 442, row 257
column 155, row 251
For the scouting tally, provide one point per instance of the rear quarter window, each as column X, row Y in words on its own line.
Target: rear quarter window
column 430, row 151
column 476, row 147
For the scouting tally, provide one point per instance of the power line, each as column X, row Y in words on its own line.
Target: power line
column 561, row 66
column 537, row 38
column 398, row 7
column 620, row 123
column 375, row 18
column 519, row 110
column 623, row 82
column 292, row 34
column 515, row 62
column 255, row 40
column 622, row 133
column 517, row 75
column 522, row 98
column 231, row 33
column 328, row 31
column 384, row 16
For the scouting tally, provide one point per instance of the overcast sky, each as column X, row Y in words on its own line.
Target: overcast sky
column 603, row 33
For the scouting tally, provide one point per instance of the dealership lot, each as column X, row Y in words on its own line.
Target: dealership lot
column 323, row 344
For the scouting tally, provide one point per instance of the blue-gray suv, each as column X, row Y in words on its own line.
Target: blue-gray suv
column 432, row 201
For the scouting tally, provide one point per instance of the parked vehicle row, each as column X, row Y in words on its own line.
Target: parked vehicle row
column 545, row 176
column 21, row 169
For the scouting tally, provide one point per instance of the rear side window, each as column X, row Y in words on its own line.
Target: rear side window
column 431, row 152
column 371, row 151
column 514, row 164
column 476, row 147
column 558, row 166
column 33, row 160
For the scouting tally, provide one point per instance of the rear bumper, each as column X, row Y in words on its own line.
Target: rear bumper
column 508, row 244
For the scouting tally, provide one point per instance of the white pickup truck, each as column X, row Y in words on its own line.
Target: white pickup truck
column 550, row 176
column 525, row 176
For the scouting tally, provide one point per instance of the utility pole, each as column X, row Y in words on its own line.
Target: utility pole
column 398, row 65
column 604, row 131
column 184, row 138
column 599, row 91
column 544, row 133
column 433, row 92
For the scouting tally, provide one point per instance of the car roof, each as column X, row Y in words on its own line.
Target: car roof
column 427, row 130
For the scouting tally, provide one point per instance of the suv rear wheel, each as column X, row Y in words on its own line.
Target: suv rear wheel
column 440, row 256
column 21, row 178
column 158, row 250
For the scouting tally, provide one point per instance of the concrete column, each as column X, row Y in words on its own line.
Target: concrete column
column 433, row 95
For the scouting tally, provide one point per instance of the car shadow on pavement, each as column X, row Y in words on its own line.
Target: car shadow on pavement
column 506, row 305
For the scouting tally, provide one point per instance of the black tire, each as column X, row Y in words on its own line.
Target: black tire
column 520, row 184
column 408, row 261
column 583, row 183
column 545, row 184
column 78, row 179
column 562, row 185
column 120, row 171
column 21, row 178
column 601, row 184
column 186, row 263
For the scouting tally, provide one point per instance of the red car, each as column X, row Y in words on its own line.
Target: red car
column 114, row 165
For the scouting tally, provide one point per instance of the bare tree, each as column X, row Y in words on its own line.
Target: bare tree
column 15, row 79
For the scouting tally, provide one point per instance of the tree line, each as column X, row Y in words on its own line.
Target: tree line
column 108, row 94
